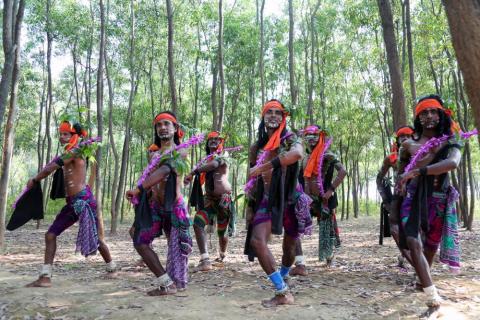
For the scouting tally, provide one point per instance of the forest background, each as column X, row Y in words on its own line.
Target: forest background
column 354, row 67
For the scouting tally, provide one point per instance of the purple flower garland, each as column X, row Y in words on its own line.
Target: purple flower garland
column 433, row 143
column 210, row 156
column 320, row 166
column 194, row 140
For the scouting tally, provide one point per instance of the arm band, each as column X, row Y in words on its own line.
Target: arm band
column 60, row 162
column 276, row 163
column 423, row 171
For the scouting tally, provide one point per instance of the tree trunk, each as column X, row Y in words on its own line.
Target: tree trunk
column 99, row 180
column 8, row 142
column 262, row 49
column 398, row 96
column 126, row 141
column 220, row 67
column 9, row 49
column 413, row 90
column 171, row 64
column 471, row 186
column 312, row 64
column 291, row 56
column 49, row 97
column 464, row 21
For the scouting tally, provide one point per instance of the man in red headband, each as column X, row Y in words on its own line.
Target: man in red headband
column 218, row 203
column 427, row 212
column 388, row 223
column 324, row 199
column 161, row 193
column 276, row 203
column 81, row 205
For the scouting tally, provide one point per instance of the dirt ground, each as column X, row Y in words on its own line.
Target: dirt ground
column 365, row 282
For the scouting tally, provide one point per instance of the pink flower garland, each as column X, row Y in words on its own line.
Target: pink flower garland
column 210, row 156
column 194, row 140
column 251, row 182
column 320, row 166
column 433, row 143
column 81, row 144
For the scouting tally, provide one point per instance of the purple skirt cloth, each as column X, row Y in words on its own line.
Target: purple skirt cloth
column 179, row 245
column 302, row 212
column 87, row 238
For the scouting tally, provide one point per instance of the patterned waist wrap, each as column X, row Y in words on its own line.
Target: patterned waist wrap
column 87, row 238
column 437, row 225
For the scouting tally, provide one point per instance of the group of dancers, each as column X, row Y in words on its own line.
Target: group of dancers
column 293, row 178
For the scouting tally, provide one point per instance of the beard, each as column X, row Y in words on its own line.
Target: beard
column 272, row 124
column 165, row 136
column 430, row 124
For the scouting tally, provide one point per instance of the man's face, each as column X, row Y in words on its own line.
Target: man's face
column 429, row 118
column 312, row 140
column 403, row 138
column 213, row 143
column 273, row 118
column 165, row 129
column 65, row 137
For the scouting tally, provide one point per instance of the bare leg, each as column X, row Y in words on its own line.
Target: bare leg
column 396, row 236
column 151, row 259
column 260, row 235
column 104, row 251
column 154, row 264
column 223, row 243
column 420, row 263
column 201, row 237
column 429, row 255
column 50, row 250
column 299, row 269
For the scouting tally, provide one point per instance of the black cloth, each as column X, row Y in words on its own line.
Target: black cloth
column 143, row 214
column 196, row 197
column 327, row 183
column 418, row 218
column 29, row 206
column 58, row 185
column 384, row 214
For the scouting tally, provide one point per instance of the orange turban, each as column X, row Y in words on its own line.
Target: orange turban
column 404, row 131
column 274, row 141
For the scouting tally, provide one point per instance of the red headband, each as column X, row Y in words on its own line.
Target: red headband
column 214, row 134
column 426, row 104
column 405, row 131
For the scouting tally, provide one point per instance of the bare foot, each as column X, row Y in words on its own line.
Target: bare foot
column 140, row 264
column 299, row 270
column 42, row 282
column 278, row 300
column 431, row 313
column 203, row 265
column 330, row 261
column 163, row 291
column 220, row 258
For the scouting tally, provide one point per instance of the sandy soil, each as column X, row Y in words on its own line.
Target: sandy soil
column 364, row 283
